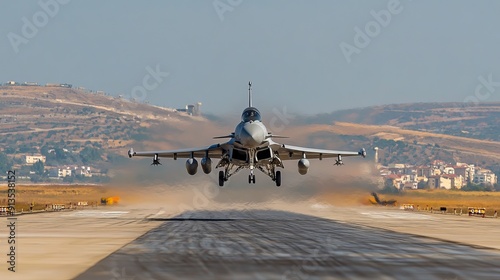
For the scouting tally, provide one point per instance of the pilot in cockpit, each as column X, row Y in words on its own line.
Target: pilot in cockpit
column 251, row 114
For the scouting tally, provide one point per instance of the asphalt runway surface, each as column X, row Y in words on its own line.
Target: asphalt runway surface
column 270, row 244
column 310, row 241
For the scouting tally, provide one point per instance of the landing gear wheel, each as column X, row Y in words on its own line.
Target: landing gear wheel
column 278, row 178
column 221, row 178
column 253, row 179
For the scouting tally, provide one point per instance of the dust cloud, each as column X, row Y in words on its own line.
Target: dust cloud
column 168, row 186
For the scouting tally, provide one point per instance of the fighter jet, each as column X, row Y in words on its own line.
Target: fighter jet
column 250, row 146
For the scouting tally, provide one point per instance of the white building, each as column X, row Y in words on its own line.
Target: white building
column 60, row 172
column 446, row 181
column 84, row 171
column 449, row 170
column 485, row 177
column 34, row 159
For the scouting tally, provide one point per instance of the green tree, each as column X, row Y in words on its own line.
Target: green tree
column 9, row 150
column 38, row 168
column 44, row 150
column 35, row 178
column 422, row 185
column 89, row 154
column 389, row 188
column 60, row 154
column 68, row 179
column 475, row 187
column 5, row 163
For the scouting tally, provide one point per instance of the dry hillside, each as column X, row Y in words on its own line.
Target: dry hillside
column 35, row 117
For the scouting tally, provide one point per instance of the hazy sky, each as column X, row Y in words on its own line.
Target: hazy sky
column 306, row 55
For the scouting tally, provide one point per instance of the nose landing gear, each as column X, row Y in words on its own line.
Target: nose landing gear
column 251, row 179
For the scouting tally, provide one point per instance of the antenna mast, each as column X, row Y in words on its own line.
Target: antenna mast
column 250, row 94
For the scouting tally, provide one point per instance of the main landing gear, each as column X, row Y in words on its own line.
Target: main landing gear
column 251, row 178
column 231, row 169
column 221, row 178
column 277, row 178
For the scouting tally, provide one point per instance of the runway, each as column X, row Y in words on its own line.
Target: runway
column 60, row 245
column 269, row 244
column 308, row 241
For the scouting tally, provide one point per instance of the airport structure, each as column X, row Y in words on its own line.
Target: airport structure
column 192, row 109
column 14, row 83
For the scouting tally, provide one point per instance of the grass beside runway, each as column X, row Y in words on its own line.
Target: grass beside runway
column 447, row 198
column 42, row 195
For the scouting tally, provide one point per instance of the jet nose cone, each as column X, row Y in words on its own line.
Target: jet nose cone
column 252, row 135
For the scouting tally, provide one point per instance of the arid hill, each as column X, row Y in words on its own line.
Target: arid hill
column 37, row 115
column 480, row 121
column 33, row 117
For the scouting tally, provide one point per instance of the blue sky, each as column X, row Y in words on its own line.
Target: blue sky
column 429, row 51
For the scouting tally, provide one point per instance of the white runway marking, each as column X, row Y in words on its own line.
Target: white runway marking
column 97, row 214
column 402, row 215
column 160, row 212
column 320, row 206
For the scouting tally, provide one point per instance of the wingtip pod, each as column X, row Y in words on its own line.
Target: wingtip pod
column 362, row 152
column 131, row 152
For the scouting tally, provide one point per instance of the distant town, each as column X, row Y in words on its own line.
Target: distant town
column 436, row 175
column 33, row 167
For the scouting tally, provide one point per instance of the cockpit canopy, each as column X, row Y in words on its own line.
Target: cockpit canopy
column 251, row 114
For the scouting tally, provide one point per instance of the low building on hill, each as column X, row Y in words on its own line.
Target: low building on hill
column 32, row 159
column 60, row 172
column 83, row 171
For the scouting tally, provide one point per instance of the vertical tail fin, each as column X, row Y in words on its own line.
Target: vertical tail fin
column 250, row 94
